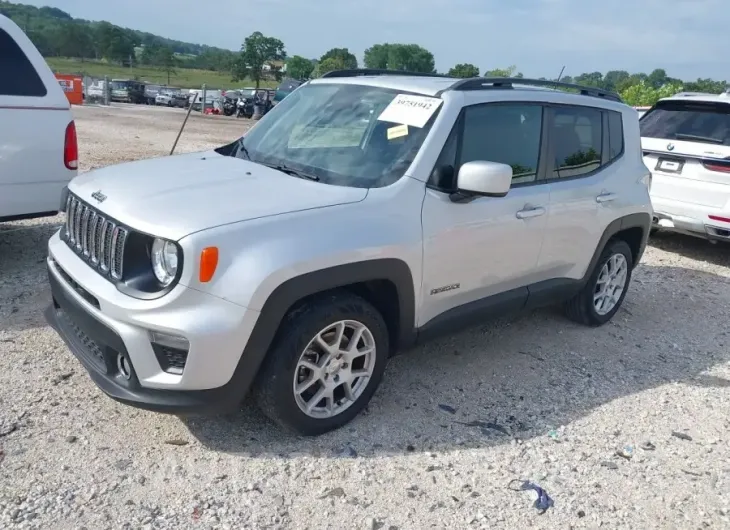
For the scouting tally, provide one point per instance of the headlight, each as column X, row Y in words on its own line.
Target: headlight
column 164, row 261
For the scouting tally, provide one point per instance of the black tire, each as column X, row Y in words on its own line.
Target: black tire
column 581, row 307
column 273, row 389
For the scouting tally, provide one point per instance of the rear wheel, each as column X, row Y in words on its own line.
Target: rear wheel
column 325, row 365
column 605, row 290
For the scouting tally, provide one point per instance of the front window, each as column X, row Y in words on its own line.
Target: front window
column 692, row 121
column 331, row 132
column 120, row 85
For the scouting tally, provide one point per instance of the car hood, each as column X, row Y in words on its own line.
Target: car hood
column 176, row 196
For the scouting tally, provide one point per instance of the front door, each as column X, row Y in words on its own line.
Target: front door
column 488, row 246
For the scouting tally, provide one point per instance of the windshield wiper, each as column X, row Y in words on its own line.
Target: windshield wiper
column 293, row 172
column 698, row 138
column 242, row 148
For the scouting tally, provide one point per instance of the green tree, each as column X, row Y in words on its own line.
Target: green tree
column 166, row 61
column 614, row 78
column 411, row 58
column 329, row 65
column 464, row 70
column 74, row 40
column 706, row 85
column 299, row 67
column 593, row 79
column 377, row 56
column 510, row 71
column 645, row 95
column 342, row 56
column 257, row 50
column 408, row 57
column 115, row 44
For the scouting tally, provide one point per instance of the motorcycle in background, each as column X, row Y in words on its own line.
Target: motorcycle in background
column 244, row 108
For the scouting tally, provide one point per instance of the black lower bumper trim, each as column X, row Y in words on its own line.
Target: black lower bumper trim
column 97, row 346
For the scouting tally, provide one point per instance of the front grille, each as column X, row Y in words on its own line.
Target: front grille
column 95, row 237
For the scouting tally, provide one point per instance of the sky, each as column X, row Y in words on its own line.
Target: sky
column 688, row 38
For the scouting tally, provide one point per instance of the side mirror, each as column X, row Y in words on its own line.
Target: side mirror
column 488, row 179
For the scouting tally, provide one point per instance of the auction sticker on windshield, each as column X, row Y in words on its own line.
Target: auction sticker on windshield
column 410, row 110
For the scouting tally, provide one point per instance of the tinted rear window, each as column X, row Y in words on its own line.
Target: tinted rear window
column 689, row 121
column 19, row 78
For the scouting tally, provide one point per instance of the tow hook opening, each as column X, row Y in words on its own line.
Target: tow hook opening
column 125, row 370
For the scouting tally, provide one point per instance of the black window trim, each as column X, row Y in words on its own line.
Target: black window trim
column 458, row 129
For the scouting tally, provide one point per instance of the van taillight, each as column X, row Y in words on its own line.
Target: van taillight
column 71, row 148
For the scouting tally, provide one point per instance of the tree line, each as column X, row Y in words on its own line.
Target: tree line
column 56, row 33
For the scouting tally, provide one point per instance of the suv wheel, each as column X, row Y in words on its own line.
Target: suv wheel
column 605, row 290
column 326, row 363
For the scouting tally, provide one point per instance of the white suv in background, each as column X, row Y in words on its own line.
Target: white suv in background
column 686, row 144
column 38, row 149
column 366, row 212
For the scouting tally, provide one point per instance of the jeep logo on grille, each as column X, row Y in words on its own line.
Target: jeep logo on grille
column 99, row 196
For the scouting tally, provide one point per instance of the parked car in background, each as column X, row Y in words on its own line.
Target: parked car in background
column 151, row 92
column 286, row 87
column 361, row 216
column 686, row 143
column 95, row 91
column 127, row 91
column 38, row 147
column 166, row 97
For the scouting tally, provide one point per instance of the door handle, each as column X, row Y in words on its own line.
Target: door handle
column 530, row 212
column 606, row 197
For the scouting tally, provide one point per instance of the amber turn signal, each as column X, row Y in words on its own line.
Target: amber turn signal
column 208, row 263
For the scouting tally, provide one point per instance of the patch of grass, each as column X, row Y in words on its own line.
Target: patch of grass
column 183, row 78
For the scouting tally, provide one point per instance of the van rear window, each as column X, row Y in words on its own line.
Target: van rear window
column 691, row 121
column 19, row 77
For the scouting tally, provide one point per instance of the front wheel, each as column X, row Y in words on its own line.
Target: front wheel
column 325, row 366
column 605, row 290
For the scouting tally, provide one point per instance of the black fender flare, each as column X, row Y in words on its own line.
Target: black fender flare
column 634, row 220
column 292, row 291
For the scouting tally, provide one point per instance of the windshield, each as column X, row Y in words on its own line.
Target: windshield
column 247, row 93
column 120, row 85
column 693, row 121
column 332, row 132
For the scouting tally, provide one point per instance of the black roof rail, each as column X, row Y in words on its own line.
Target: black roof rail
column 486, row 83
column 356, row 72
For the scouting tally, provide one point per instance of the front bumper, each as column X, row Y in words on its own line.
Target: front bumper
column 690, row 219
column 99, row 324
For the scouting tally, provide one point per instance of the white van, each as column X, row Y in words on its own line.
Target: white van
column 38, row 147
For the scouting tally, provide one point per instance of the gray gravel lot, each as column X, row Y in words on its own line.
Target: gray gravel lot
column 626, row 426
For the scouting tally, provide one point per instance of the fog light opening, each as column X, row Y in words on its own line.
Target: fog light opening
column 123, row 366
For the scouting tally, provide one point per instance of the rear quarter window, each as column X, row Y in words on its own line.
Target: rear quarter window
column 19, row 77
column 615, row 135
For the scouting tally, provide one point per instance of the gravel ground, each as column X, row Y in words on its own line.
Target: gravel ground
column 625, row 426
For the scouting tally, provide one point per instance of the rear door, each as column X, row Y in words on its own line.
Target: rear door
column 34, row 116
column 686, row 145
column 584, row 186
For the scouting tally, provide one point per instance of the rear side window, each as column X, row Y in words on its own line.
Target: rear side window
column 19, row 78
column 615, row 135
column 576, row 134
column 693, row 121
